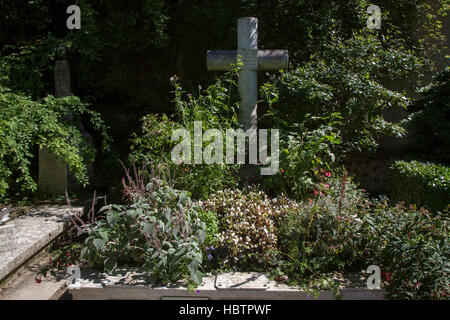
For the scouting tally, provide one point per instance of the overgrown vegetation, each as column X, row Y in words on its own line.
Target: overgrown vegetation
column 420, row 183
column 159, row 231
column 429, row 123
column 216, row 108
column 302, row 224
column 48, row 123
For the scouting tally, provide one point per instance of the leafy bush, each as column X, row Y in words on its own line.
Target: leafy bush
column 25, row 124
column 323, row 234
column 159, row 232
column 412, row 249
column 215, row 108
column 211, row 221
column 429, row 120
column 421, row 183
column 301, row 153
column 248, row 222
column 344, row 78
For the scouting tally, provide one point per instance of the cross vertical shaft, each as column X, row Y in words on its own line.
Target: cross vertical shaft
column 252, row 60
column 248, row 78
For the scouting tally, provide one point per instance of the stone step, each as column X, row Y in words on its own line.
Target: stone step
column 22, row 285
column 24, row 237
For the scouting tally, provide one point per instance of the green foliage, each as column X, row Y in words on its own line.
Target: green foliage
column 248, row 221
column 50, row 123
column 211, row 220
column 341, row 230
column 429, row 121
column 323, row 235
column 302, row 152
column 216, row 108
column 159, row 232
column 61, row 258
column 412, row 249
column 419, row 23
column 421, row 183
column 27, row 66
column 344, row 79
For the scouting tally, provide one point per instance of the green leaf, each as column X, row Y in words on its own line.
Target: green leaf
column 99, row 244
column 110, row 263
column 110, row 217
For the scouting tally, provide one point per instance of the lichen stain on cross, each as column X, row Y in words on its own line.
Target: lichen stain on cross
column 253, row 60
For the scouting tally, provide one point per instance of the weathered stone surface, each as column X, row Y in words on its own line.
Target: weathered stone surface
column 7, row 238
column 243, row 281
column 62, row 79
column 52, row 171
column 33, row 232
column 253, row 60
column 24, row 286
column 134, row 285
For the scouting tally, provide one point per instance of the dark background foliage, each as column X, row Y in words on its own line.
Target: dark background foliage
column 126, row 51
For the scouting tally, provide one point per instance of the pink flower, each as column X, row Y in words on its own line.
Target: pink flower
column 315, row 192
column 282, row 171
column 327, row 186
column 328, row 174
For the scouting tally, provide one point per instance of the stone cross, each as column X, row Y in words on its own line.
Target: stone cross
column 53, row 173
column 253, row 60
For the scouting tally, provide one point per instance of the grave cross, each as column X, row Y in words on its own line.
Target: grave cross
column 253, row 60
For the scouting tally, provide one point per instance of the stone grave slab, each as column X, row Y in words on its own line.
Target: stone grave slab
column 33, row 231
column 242, row 281
column 128, row 285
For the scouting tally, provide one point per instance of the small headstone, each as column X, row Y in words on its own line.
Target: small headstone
column 52, row 171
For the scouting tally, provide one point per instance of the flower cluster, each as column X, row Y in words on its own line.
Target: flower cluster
column 249, row 221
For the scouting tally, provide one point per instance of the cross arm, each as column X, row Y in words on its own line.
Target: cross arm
column 272, row 60
column 220, row 60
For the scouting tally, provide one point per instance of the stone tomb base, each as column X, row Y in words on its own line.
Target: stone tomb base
column 132, row 285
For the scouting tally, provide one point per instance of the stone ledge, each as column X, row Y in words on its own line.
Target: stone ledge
column 132, row 285
column 33, row 232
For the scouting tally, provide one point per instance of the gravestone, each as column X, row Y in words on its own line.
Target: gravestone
column 253, row 60
column 53, row 173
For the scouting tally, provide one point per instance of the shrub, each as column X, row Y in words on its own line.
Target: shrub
column 323, row 234
column 301, row 152
column 25, row 124
column 429, row 120
column 211, row 221
column 248, row 221
column 344, row 77
column 215, row 108
column 159, row 232
column 421, row 183
column 412, row 249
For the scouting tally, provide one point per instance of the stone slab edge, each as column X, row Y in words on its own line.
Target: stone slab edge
column 33, row 249
column 91, row 288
